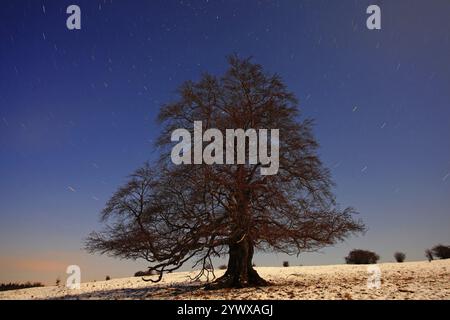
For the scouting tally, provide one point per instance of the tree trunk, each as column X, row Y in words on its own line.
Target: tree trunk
column 240, row 272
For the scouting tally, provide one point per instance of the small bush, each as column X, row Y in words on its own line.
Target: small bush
column 144, row 273
column 15, row 286
column 429, row 255
column 440, row 251
column 223, row 267
column 359, row 256
column 285, row 264
column 58, row 282
column 107, row 278
column 399, row 256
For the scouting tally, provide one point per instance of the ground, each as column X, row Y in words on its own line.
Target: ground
column 409, row 280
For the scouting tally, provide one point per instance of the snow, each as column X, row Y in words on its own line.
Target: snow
column 408, row 280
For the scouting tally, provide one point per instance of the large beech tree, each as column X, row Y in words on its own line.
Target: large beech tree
column 168, row 214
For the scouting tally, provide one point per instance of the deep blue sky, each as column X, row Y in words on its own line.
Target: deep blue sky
column 77, row 112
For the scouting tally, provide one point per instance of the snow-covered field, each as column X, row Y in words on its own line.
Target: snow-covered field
column 409, row 280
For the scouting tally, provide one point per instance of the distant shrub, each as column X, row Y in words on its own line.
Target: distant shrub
column 58, row 281
column 359, row 256
column 285, row 264
column 399, row 256
column 107, row 278
column 429, row 255
column 440, row 251
column 223, row 267
column 144, row 273
column 15, row 286
column 253, row 264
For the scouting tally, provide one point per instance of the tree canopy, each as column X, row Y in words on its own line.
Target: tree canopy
column 168, row 214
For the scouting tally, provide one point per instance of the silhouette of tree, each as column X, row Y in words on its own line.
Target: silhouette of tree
column 168, row 214
column 440, row 251
column 399, row 256
column 359, row 256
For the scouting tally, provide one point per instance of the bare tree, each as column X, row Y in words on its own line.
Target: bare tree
column 169, row 214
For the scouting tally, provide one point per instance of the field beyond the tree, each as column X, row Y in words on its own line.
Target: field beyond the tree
column 408, row 280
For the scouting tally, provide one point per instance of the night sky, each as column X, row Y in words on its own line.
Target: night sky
column 78, row 108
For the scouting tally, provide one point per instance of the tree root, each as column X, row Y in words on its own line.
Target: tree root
column 236, row 281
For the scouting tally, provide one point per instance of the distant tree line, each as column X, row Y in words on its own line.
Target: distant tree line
column 360, row 256
column 15, row 286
